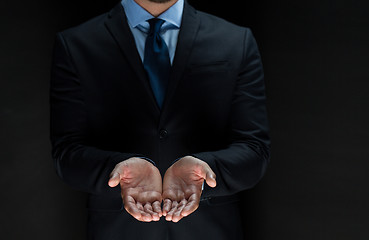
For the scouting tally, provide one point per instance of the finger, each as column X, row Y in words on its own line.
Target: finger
column 167, row 205
column 139, row 206
column 209, row 176
column 192, row 205
column 131, row 208
column 177, row 215
column 114, row 179
column 157, row 208
column 149, row 210
column 210, row 180
column 145, row 216
column 169, row 215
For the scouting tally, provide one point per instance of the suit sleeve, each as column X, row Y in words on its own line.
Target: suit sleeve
column 81, row 166
column 242, row 164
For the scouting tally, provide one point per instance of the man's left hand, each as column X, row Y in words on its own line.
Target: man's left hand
column 182, row 187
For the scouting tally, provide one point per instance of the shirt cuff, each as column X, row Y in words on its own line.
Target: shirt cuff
column 148, row 159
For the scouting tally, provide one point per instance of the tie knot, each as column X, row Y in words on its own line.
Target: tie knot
column 155, row 25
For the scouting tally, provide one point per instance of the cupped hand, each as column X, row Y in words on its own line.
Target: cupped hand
column 182, row 187
column 141, row 188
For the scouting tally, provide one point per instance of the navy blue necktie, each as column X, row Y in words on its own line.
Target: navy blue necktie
column 156, row 60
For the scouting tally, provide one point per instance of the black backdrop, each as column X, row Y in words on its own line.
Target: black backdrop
column 316, row 59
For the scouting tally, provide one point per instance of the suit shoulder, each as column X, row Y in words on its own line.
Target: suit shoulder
column 214, row 22
column 85, row 28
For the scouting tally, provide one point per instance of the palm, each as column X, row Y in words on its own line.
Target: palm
column 182, row 188
column 141, row 189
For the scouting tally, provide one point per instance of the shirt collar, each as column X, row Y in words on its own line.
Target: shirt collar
column 136, row 15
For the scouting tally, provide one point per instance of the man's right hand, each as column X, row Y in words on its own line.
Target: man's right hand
column 141, row 188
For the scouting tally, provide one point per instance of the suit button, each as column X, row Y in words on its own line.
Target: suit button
column 163, row 133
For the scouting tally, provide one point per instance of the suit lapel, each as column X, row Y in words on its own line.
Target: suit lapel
column 117, row 25
column 187, row 35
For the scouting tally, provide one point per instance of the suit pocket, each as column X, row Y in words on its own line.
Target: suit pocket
column 216, row 66
column 110, row 203
column 216, row 201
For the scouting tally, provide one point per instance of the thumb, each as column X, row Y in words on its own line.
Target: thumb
column 209, row 176
column 114, row 179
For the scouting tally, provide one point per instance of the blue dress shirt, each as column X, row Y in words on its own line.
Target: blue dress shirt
column 137, row 20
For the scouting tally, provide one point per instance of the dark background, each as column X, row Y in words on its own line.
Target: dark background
column 316, row 59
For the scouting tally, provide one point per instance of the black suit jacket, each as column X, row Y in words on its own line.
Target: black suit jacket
column 103, row 112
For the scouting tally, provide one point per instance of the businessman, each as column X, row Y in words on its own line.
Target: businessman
column 158, row 113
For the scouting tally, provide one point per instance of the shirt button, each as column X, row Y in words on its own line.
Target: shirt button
column 163, row 133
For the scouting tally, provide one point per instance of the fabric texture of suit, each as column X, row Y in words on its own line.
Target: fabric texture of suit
column 103, row 112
